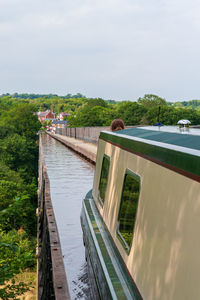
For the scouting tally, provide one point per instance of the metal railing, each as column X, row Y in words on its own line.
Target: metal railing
column 52, row 280
column 88, row 134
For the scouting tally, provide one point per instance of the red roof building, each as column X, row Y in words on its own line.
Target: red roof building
column 46, row 115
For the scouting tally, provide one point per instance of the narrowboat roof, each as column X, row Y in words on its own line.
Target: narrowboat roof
column 169, row 146
column 183, row 137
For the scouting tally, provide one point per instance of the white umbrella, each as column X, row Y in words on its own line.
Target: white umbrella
column 184, row 122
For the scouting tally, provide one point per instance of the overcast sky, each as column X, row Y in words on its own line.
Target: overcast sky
column 114, row 49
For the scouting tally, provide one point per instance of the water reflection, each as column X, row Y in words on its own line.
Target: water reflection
column 70, row 179
column 81, row 284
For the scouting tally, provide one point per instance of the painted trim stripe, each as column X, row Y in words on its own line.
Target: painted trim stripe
column 183, row 163
column 158, row 143
column 164, row 144
column 91, row 222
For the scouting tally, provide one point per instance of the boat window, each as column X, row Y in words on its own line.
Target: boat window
column 128, row 208
column 104, row 178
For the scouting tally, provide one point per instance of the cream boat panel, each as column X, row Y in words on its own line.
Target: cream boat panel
column 164, row 258
column 97, row 174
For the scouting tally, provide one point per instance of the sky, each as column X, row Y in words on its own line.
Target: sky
column 113, row 49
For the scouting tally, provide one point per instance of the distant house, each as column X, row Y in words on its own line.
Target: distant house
column 61, row 115
column 46, row 115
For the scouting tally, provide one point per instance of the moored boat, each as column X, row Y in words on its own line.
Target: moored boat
column 141, row 220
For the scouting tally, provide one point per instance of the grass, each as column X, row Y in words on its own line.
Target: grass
column 28, row 277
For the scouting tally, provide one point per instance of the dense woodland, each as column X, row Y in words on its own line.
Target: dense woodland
column 98, row 112
column 18, row 193
column 19, row 161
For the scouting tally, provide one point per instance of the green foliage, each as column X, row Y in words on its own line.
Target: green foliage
column 96, row 102
column 20, row 154
column 8, row 190
column 19, row 213
column 91, row 112
column 111, row 101
column 16, row 255
column 5, row 130
column 186, row 104
column 130, row 112
column 47, row 123
column 18, row 191
column 150, row 100
column 7, row 174
column 13, row 290
column 90, row 115
column 22, row 120
column 143, row 112
column 170, row 115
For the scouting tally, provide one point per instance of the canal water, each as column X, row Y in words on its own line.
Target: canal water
column 71, row 178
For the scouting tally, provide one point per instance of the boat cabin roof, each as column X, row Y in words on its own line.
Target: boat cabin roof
column 176, row 147
column 184, row 137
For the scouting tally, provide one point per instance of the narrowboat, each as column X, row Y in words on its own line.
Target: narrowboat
column 141, row 220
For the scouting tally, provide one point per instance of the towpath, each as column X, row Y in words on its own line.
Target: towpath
column 87, row 150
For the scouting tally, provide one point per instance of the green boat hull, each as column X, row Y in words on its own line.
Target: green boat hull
column 110, row 279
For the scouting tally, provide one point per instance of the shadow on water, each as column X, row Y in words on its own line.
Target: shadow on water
column 81, row 284
column 71, row 178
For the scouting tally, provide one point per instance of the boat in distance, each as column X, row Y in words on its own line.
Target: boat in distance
column 141, row 220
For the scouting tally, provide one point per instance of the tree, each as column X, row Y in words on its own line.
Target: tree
column 23, row 121
column 130, row 112
column 150, row 100
column 20, row 213
column 21, row 155
column 96, row 102
column 171, row 115
column 18, row 192
column 91, row 116
column 16, row 254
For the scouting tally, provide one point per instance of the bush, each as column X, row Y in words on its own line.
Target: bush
column 18, row 214
column 16, row 255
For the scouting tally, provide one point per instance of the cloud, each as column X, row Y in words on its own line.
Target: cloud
column 112, row 49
